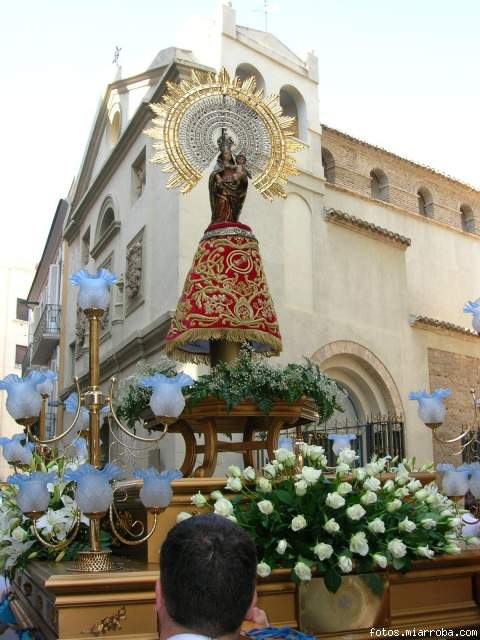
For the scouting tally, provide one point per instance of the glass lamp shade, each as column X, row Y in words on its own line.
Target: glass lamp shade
column 46, row 387
column 454, row 481
column 71, row 404
column 167, row 398
column 474, row 309
column 94, row 290
column 23, row 400
column 341, row 441
column 474, row 481
column 14, row 452
column 94, row 493
column 33, row 495
column 156, row 492
column 431, row 407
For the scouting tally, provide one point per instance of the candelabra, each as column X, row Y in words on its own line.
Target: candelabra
column 94, row 495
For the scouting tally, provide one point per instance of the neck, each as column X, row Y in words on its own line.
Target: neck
column 169, row 628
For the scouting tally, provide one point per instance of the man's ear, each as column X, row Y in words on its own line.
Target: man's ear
column 252, row 606
column 159, row 596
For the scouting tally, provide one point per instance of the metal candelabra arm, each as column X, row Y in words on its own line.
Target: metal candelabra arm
column 451, row 440
column 65, row 433
column 113, row 382
column 141, row 536
column 63, row 543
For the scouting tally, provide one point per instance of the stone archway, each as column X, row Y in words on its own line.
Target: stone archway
column 358, row 368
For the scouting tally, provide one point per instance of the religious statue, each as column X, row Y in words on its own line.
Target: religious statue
column 225, row 299
column 228, row 182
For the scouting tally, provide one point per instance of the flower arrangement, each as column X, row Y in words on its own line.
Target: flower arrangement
column 18, row 543
column 353, row 519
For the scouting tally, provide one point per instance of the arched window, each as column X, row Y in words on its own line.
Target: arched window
column 245, row 71
column 328, row 164
column 425, row 202
column 293, row 104
column 379, row 185
column 115, row 126
column 468, row 220
column 107, row 226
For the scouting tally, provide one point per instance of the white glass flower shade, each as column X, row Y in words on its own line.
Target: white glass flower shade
column 431, row 410
column 473, row 526
column 46, row 387
column 33, row 496
column 455, row 483
column 476, row 321
column 341, row 441
column 93, row 494
column 23, row 400
column 14, row 452
column 474, row 484
column 285, row 442
column 156, row 493
column 167, row 400
column 94, row 288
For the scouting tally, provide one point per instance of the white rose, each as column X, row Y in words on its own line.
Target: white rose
column 344, row 488
column 198, row 499
column 346, row 456
column 301, row 487
column 393, row 505
column 331, row 526
column 345, row 564
column 407, row 525
column 397, row 548
column 316, row 453
column 359, row 544
column 311, row 475
column 269, row 470
column 414, row 485
column 334, row 500
column 231, row 518
column 285, row 457
column 422, row 494
column 342, row 469
column 265, row 506
column 359, row 474
column 428, row 523
column 452, row 549
column 356, row 512
column 249, row 474
column 389, row 486
column 380, row 560
column 216, row 495
column 402, row 478
column 472, row 541
column 19, row 534
column 376, row 526
column 372, row 484
column 453, row 523
column 281, row 546
column 322, row 550
column 234, row 484
column 425, row 552
column 302, row 571
column 234, row 471
column 264, row 485
column 223, row 507
column 298, row 522
column 183, row 515
column 263, row 570
column 401, row 492
column 369, row 497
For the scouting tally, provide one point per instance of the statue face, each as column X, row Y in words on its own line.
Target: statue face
column 241, row 160
column 226, row 154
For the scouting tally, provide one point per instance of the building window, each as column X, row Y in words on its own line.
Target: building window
column 115, row 127
column 245, row 71
column 379, row 185
column 293, row 104
column 22, row 310
column 107, row 226
column 20, row 353
column 139, row 175
column 86, row 247
column 425, row 202
column 328, row 164
column 468, row 220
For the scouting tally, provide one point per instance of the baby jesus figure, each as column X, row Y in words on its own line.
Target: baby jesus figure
column 228, row 191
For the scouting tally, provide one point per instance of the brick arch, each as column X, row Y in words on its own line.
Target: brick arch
column 370, row 363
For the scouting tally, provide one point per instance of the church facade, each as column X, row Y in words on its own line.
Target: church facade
column 369, row 259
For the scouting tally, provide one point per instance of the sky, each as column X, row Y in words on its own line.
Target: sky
column 401, row 74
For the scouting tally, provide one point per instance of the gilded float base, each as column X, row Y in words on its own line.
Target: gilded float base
column 95, row 562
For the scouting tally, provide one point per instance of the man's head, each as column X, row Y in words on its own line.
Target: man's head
column 207, row 576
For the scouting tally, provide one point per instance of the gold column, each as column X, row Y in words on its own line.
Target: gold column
column 93, row 396
column 42, row 430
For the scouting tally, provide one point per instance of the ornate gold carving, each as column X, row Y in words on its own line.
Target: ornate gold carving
column 193, row 114
column 110, row 623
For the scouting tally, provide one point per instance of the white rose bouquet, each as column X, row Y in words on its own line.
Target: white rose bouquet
column 310, row 519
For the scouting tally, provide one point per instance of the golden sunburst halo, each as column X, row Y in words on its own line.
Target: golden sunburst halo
column 192, row 114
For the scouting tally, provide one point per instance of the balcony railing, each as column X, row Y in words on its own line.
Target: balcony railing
column 47, row 334
column 27, row 360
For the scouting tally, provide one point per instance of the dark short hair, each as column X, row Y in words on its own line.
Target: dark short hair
column 208, row 572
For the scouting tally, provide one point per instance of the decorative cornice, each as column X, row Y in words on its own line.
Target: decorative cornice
column 424, row 322
column 368, row 228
